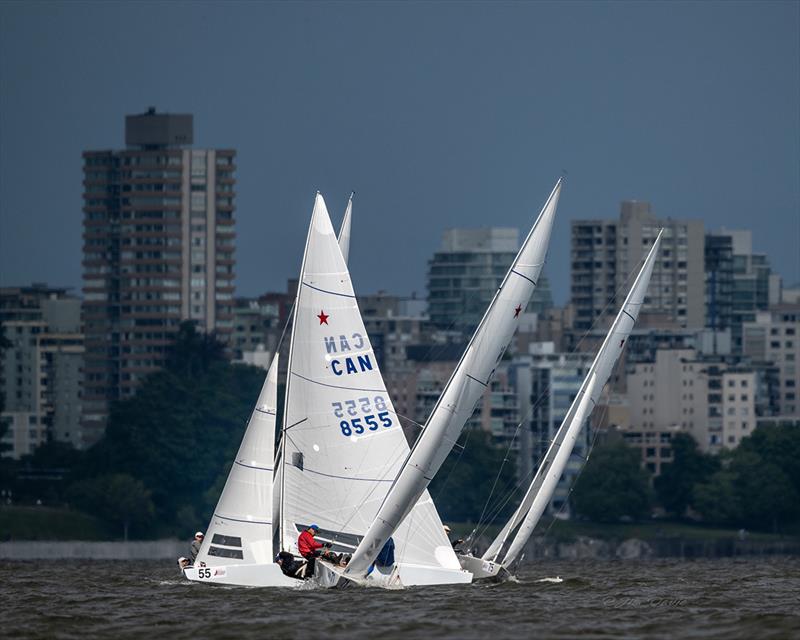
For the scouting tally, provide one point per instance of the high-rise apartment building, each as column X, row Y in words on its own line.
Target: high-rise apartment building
column 745, row 276
column 465, row 273
column 774, row 337
column 546, row 382
column 606, row 253
column 158, row 249
column 40, row 369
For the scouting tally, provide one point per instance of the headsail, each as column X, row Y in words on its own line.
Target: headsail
column 344, row 230
column 557, row 456
column 342, row 440
column 465, row 387
column 241, row 526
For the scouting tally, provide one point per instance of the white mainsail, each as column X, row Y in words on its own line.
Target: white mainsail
column 462, row 392
column 342, row 442
column 241, row 527
column 344, row 246
column 544, row 482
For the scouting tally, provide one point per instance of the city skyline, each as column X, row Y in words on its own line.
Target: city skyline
column 693, row 109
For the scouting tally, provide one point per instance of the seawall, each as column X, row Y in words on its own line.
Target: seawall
column 78, row 550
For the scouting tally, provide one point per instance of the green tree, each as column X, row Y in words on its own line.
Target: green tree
column 463, row 485
column 613, row 485
column 690, row 467
column 118, row 498
column 717, row 499
column 181, row 428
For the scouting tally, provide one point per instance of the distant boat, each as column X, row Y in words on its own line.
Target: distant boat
column 498, row 559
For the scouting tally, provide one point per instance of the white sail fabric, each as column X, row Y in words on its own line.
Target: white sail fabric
column 343, row 443
column 344, row 230
column 544, row 482
column 465, row 387
column 240, row 531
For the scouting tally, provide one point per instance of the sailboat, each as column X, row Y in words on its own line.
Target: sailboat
column 342, row 445
column 498, row 559
column 238, row 548
column 466, row 385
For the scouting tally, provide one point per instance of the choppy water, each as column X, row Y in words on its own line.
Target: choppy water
column 726, row 598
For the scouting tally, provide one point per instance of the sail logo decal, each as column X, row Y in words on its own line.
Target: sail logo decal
column 342, row 343
column 359, row 364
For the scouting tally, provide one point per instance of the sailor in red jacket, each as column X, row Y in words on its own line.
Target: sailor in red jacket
column 309, row 548
column 306, row 544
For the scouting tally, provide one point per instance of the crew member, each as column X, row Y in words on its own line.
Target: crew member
column 453, row 543
column 310, row 548
column 196, row 544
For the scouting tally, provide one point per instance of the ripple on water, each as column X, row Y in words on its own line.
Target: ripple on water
column 730, row 598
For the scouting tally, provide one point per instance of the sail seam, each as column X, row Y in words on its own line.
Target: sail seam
column 269, row 413
column 629, row 315
column 333, row 293
column 252, row 466
column 330, row 475
column 336, row 386
column 217, row 515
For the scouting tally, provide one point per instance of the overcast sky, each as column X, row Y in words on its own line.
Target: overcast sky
column 438, row 114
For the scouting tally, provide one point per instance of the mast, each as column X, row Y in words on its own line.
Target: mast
column 552, row 467
column 466, row 385
column 344, row 230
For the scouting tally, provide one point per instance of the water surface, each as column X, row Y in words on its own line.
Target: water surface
column 752, row 597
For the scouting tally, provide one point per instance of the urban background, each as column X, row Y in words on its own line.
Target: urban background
column 124, row 402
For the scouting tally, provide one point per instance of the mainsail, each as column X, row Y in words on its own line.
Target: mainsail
column 466, row 385
column 240, row 528
column 342, row 443
column 277, row 483
column 544, row 482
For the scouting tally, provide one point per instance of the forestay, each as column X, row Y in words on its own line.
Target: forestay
column 342, row 442
column 544, row 482
column 241, row 528
column 465, row 387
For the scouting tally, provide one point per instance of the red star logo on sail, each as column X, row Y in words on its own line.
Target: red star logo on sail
column 517, row 311
column 323, row 318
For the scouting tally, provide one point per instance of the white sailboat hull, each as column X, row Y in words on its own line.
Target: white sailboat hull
column 400, row 576
column 479, row 568
column 243, row 575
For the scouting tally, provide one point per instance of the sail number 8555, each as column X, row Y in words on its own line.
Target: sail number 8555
column 374, row 415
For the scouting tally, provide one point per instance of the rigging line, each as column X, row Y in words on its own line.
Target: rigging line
column 578, row 475
column 455, row 464
column 574, row 350
column 513, row 488
column 497, row 477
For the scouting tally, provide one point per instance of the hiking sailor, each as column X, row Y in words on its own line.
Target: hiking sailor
column 453, row 543
column 310, row 548
column 196, row 544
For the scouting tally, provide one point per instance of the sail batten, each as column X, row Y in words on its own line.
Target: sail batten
column 463, row 390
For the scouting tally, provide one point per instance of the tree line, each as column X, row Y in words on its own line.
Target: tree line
column 161, row 465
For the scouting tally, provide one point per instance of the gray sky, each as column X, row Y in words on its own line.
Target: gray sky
column 437, row 114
